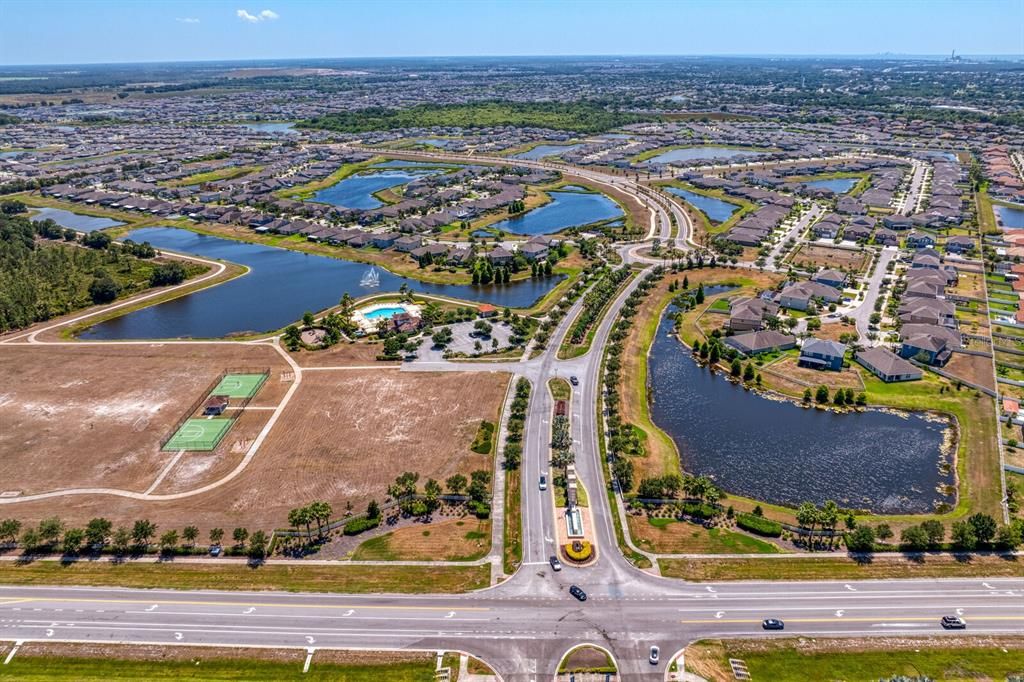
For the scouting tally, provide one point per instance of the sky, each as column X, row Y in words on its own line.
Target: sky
column 100, row 31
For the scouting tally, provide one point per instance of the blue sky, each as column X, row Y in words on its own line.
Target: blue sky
column 84, row 31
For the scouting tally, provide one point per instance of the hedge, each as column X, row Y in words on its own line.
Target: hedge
column 700, row 511
column 357, row 526
column 759, row 525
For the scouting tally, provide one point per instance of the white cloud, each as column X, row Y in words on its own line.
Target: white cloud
column 187, row 20
column 265, row 15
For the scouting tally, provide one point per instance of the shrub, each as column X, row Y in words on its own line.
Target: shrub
column 759, row 525
column 357, row 526
column 582, row 554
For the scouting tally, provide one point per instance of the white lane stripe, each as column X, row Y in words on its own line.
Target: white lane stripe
column 251, row 616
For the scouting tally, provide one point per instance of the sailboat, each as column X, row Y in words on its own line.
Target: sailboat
column 371, row 279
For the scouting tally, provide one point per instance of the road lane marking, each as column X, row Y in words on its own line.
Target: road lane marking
column 861, row 619
column 184, row 602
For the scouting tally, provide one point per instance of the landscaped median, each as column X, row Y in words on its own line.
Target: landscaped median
column 72, row 661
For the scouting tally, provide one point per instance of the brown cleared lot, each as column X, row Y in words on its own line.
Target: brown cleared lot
column 830, row 257
column 95, row 415
column 345, row 435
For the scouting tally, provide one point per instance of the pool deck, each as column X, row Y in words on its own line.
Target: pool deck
column 367, row 321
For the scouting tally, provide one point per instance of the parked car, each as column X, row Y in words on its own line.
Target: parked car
column 773, row 624
column 578, row 593
column 543, row 483
column 215, row 550
column 655, row 655
column 556, row 565
column 954, row 623
column 574, row 381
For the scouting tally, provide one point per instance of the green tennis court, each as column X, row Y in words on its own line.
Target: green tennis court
column 239, row 385
column 199, row 434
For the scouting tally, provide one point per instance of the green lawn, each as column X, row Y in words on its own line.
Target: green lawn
column 28, row 667
column 785, row 660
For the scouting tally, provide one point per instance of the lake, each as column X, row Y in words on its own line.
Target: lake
column 565, row 210
column 837, row 185
column 286, row 128
column 782, row 453
column 716, row 210
column 702, row 152
column 1010, row 217
column 76, row 221
column 356, row 191
column 281, row 285
column 543, row 150
column 438, row 142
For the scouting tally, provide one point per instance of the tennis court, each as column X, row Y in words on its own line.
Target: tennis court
column 199, row 434
column 239, row 385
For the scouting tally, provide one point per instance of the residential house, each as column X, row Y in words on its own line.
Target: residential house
column 800, row 295
column 754, row 343
column 746, row 314
column 822, row 354
column 930, row 344
column 920, row 240
column 888, row 366
column 833, row 278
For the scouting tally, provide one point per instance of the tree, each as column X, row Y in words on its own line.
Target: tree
column 699, row 297
column 97, row 240
column 50, row 530
column 142, row 532
column 301, row 516
column 373, row 510
column 963, row 535
column 748, row 372
column 1009, row 537
column 9, row 529
column 883, row 531
column 308, row 319
column 736, row 368
column 103, row 288
column 840, row 397
column 258, row 545
column 984, row 527
column 807, row 395
column 169, row 542
column 935, row 530
column 97, row 531
column 240, row 535
column 807, row 516
column 73, row 539
column 167, row 274
column 190, row 533
column 456, row 484
column 120, row 540
column 30, row 539
column 914, row 538
column 861, row 539
column 829, row 517
column 432, row 491
column 216, row 535
column 822, row 394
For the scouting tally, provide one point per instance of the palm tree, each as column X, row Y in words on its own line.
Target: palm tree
column 190, row 534
column 807, row 516
column 829, row 517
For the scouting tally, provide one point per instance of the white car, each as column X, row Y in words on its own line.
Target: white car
column 543, row 484
column 655, row 655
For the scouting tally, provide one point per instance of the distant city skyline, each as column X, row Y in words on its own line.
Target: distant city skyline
column 123, row 31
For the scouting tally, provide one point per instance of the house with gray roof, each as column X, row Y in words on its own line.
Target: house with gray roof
column 754, row 343
column 822, row 354
column 888, row 366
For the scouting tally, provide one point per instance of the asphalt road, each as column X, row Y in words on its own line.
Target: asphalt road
column 522, row 635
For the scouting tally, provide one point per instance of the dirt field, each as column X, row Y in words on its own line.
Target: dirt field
column 973, row 368
column 833, row 331
column 787, row 367
column 830, row 257
column 94, row 415
column 343, row 438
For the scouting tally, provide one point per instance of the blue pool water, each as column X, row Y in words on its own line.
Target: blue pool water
column 387, row 313
column 565, row 210
column 716, row 210
column 356, row 191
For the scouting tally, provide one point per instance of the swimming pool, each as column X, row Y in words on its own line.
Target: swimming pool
column 385, row 312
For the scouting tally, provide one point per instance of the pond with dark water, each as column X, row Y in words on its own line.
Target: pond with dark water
column 565, row 210
column 356, row 191
column 777, row 451
column 280, row 287
column 837, row 185
column 716, row 210
column 1010, row 216
column 75, row 221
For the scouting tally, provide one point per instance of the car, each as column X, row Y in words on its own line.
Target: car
column 215, row 550
column 773, row 624
column 954, row 623
column 574, row 381
column 543, row 483
column 556, row 565
column 578, row 593
column 655, row 655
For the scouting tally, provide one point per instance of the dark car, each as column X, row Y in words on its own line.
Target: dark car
column 773, row 624
column 953, row 623
column 574, row 381
column 556, row 565
column 578, row 593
